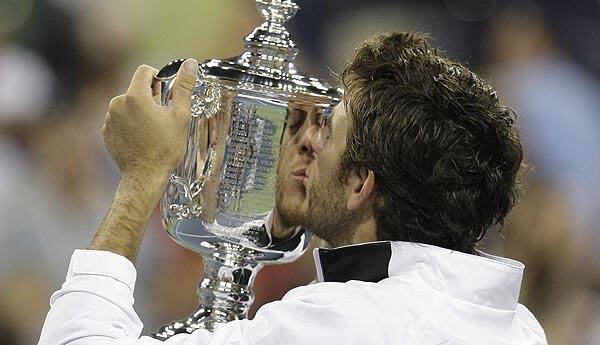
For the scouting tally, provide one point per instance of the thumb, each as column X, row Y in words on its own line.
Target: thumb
column 184, row 85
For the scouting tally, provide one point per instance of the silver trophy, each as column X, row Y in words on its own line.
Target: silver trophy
column 219, row 199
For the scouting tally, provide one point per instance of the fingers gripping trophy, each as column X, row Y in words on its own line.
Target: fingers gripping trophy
column 220, row 198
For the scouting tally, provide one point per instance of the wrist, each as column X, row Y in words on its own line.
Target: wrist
column 123, row 226
column 148, row 183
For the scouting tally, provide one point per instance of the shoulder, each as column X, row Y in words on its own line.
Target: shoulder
column 529, row 325
column 380, row 296
column 350, row 313
column 352, row 293
column 305, row 316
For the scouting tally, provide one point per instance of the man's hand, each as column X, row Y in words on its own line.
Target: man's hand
column 146, row 141
column 142, row 136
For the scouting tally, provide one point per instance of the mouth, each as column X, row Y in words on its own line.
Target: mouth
column 300, row 175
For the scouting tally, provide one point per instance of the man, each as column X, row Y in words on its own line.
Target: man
column 413, row 167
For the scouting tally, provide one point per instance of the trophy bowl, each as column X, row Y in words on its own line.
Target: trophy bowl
column 219, row 200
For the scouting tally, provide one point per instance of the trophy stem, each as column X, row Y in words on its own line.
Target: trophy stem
column 224, row 294
column 226, row 286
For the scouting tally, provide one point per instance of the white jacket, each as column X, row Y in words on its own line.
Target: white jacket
column 374, row 293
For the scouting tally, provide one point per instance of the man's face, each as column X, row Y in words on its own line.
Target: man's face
column 310, row 190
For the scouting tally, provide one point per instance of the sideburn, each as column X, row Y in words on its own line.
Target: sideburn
column 328, row 215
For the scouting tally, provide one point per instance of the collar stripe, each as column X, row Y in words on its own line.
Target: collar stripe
column 366, row 262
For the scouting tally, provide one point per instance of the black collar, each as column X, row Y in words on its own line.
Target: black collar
column 366, row 262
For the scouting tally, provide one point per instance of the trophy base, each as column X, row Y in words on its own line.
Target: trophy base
column 225, row 293
column 200, row 319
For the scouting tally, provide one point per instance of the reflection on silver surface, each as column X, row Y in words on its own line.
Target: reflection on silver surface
column 219, row 199
column 225, row 292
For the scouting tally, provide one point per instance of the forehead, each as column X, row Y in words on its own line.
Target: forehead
column 339, row 114
column 339, row 122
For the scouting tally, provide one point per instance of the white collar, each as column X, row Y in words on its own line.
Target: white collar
column 480, row 279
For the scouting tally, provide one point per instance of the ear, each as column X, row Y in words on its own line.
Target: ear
column 362, row 189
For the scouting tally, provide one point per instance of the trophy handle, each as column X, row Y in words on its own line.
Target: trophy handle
column 200, row 129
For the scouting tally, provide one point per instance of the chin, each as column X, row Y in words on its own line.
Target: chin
column 291, row 207
column 291, row 201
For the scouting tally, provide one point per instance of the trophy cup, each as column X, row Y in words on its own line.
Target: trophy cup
column 219, row 199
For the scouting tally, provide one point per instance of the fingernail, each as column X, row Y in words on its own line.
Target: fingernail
column 190, row 66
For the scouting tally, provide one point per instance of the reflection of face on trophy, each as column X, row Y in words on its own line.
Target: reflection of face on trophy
column 220, row 198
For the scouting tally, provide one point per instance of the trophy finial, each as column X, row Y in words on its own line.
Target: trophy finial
column 277, row 10
column 269, row 47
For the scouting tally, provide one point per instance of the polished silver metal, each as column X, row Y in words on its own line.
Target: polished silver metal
column 219, row 199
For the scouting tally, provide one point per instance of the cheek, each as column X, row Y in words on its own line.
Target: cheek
column 324, row 168
column 284, row 151
column 329, row 157
column 327, row 167
column 286, row 137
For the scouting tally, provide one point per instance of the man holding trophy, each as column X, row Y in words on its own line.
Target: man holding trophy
column 402, row 178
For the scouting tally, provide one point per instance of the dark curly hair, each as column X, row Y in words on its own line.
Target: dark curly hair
column 445, row 154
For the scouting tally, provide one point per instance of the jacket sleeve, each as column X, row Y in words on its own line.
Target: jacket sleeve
column 95, row 307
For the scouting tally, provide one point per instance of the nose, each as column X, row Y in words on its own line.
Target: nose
column 306, row 143
column 318, row 140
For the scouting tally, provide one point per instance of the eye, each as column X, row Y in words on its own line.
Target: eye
column 295, row 119
column 323, row 119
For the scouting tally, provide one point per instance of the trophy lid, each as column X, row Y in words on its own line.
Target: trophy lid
column 268, row 59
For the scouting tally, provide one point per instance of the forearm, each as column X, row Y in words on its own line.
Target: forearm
column 147, row 141
column 122, row 229
column 95, row 306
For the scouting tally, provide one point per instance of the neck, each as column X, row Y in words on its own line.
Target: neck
column 363, row 230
